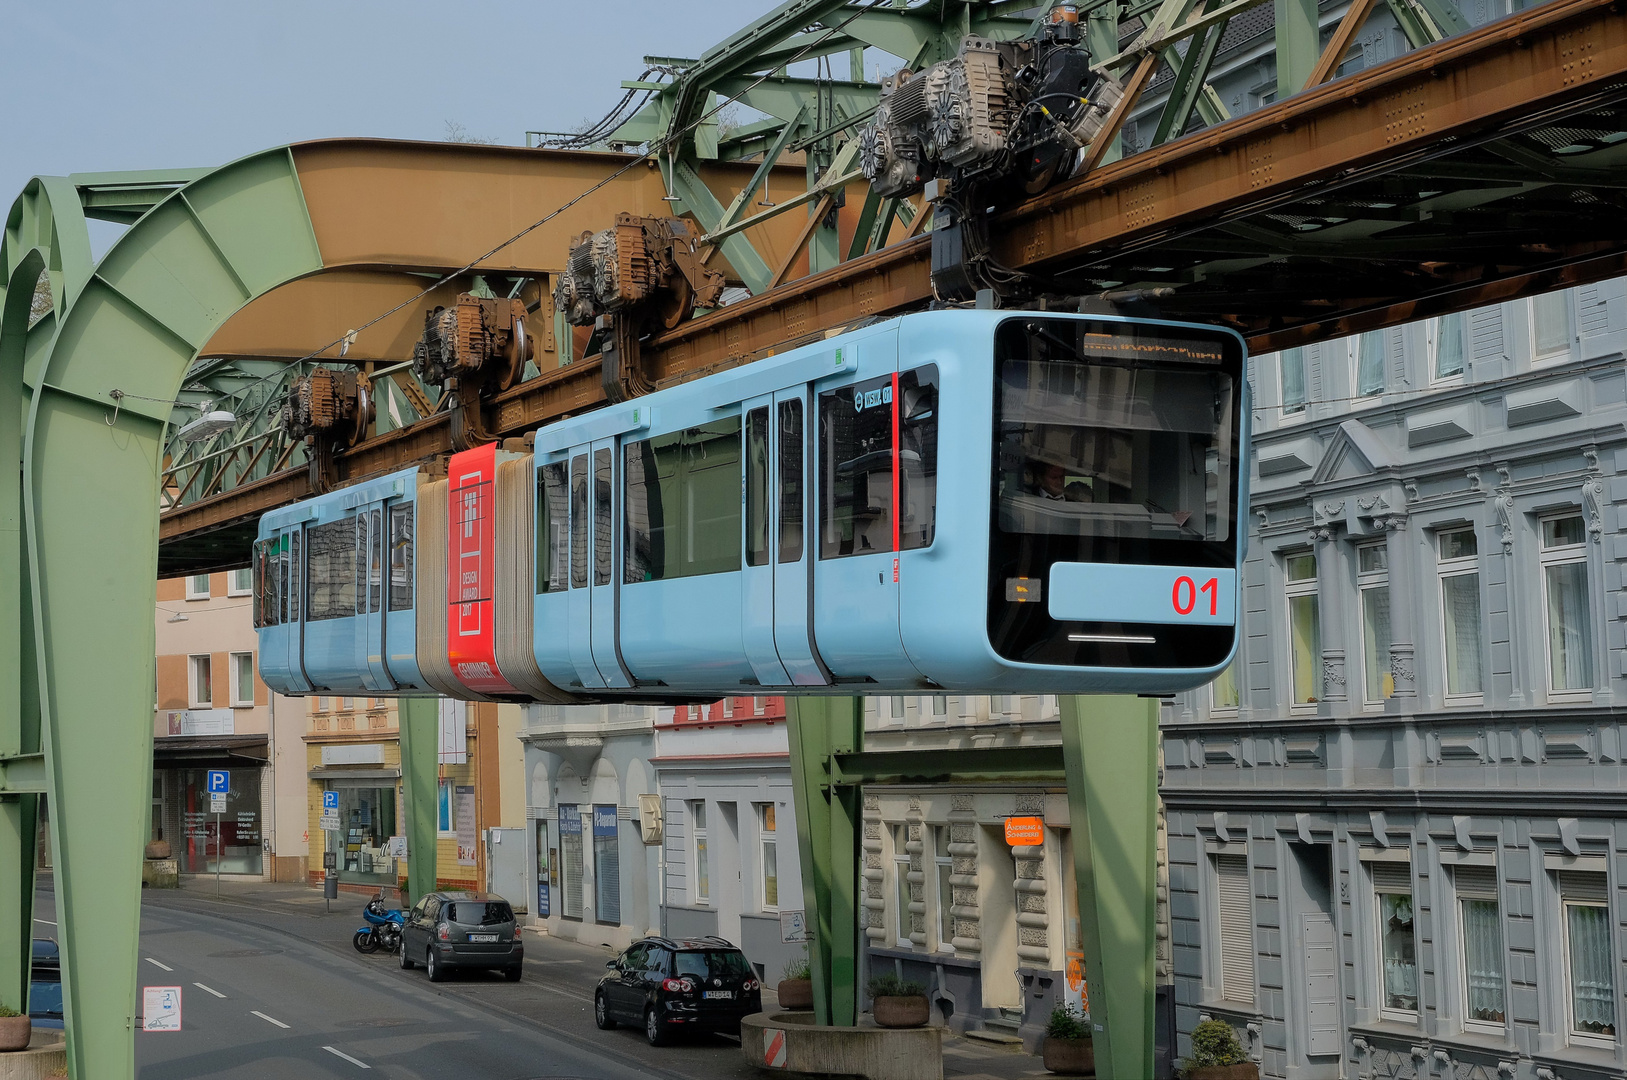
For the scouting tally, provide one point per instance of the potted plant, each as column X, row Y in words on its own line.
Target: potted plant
column 796, row 985
column 15, row 1029
column 898, row 1003
column 1217, row 1055
column 1068, row 1049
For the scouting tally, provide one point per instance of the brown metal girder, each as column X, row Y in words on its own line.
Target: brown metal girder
column 1457, row 87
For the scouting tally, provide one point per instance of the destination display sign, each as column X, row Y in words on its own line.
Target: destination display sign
column 471, row 565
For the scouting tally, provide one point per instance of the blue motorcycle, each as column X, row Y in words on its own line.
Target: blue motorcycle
column 383, row 929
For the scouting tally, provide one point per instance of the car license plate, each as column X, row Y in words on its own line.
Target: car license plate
column 482, row 937
column 727, row 995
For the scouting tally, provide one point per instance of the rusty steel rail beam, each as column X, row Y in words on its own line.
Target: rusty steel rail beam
column 1536, row 63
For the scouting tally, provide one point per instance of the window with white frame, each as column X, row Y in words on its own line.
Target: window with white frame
column 1370, row 364
column 1373, row 585
column 1291, row 368
column 901, row 882
column 1480, row 935
column 1550, row 325
column 1459, row 569
column 240, row 582
column 940, row 705
column 769, row 895
column 1567, row 611
column 201, row 683
column 242, row 679
column 1446, row 347
column 446, row 819
column 943, row 864
column 1223, row 691
column 1590, row 989
column 197, row 587
column 702, row 888
column 1236, row 906
column 896, row 708
column 1397, row 944
column 1304, row 629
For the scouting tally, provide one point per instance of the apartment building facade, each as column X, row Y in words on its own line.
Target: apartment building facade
column 1396, row 825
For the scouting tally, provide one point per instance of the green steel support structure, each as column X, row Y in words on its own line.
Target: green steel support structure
column 1109, row 761
column 419, row 720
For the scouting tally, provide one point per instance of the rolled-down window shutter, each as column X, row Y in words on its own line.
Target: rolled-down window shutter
column 1392, row 877
column 1583, row 885
column 1475, row 882
column 1236, row 929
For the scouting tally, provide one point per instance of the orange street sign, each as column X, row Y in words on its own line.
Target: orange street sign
column 1025, row 831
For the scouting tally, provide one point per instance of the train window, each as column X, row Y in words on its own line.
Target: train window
column 375, row 561
column 553, row 528
column 858, row 457
column 401, row 555
column 330, row 563
column 790, row 481
column 682, row 503
column 601, row 517
column 295, row 564
column 579, row 521
column 757, row 487
column 362, row 549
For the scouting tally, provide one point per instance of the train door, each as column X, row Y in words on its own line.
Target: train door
column 793, row 565
column 289, row 563
column 604, row 586
column 371, row 558
column 580, row 625
column 758, row 606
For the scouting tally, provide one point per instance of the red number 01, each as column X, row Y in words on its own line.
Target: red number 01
column 1211, row 588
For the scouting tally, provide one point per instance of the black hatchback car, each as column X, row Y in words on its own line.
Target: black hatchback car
column 447, row 930
column 668, row 986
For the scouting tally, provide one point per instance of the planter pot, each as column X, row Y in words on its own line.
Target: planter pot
column 1069, row 1057
column 796, row 993
column 15, row 1031
column 1243, row 1070
column 901, row 1012
column 158, row 849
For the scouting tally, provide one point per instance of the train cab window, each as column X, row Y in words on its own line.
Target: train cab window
column 401, row 523
column 553, row 528
column 260, row 606
column 682, row 504
column 858, row 460
column 331, row 570
column 579, row 521
column 294, row 563
column 601, row 516
column 1114, row 443
column 757, row 487
column 375, row 560
column 791, row 484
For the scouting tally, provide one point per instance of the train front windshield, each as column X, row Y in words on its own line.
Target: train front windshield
column 1115, row 444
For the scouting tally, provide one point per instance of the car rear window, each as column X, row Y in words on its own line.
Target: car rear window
column 712, row 964
column 45, row 1000
column 475, row 913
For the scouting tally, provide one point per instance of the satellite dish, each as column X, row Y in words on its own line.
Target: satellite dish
column 211, row 423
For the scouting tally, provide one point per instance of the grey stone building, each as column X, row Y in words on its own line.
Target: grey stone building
column 1397, row 826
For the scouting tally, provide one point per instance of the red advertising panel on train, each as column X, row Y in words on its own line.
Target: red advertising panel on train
column 471, row 569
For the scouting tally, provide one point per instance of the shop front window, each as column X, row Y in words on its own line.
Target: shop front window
column 367, row 820
column 230, row 839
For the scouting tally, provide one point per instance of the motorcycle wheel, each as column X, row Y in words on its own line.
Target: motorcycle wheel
column 364, row 941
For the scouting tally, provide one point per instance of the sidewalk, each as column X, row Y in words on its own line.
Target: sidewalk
column 554, row 965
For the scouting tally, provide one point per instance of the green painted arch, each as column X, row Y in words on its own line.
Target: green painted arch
column 90, row 464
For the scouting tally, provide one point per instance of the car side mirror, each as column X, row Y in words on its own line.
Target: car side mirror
column 612, row 963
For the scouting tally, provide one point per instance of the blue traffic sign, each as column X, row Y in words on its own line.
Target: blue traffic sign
column 219, row 781
column 330, row 800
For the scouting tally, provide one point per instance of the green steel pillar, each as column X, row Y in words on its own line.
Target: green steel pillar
column 1110, row 753
column 1102, row 38
column 1299, row 45
column 828, row 844
column 419, row 720
column 18, row 822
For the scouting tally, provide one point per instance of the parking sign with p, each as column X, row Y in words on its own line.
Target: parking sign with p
column 219, row 782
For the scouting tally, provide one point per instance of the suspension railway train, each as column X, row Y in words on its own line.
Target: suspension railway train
column 963, row 501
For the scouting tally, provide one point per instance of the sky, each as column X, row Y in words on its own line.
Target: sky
column 97, row 86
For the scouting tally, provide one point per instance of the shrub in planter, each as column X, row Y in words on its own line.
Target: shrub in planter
column 898, row 1003
column 1217, row 1055
column 15, row 1030
column 1068, row 1049
column 796, row 985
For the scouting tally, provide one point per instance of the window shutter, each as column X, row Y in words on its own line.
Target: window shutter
column 1582, row 885
column 1592, row 314
column 1321, row 983
column 1475, row 882
column 1486, row 333
column 1392, row 877
column 1236, row 929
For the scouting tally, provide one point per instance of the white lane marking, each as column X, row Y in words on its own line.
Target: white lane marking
column 347, row 1057
column 155, row 963
column 47, row 922
column 268, row 1019
column 209, row 990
